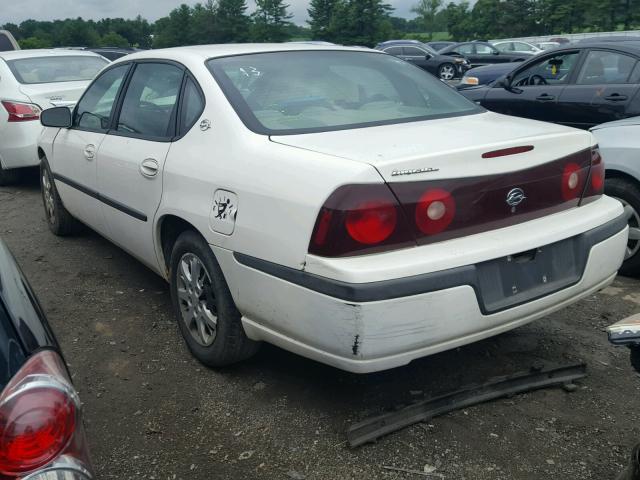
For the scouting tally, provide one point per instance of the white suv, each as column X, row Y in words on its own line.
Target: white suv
column 333, row 201
column 31, row 80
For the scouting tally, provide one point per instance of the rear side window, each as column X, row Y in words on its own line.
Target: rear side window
column 95, row 107
column 56, row 69
column 602, row 67
column 192, row 106
column 394, row 50
column 414, row 52
column 466, row 49
column 149, row 104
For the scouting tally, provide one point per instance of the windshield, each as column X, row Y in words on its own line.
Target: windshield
column 56, row 68
column 314, row 91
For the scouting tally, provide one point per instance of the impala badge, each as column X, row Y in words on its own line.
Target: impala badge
column 515, row 197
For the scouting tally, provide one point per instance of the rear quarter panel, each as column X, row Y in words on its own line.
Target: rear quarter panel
column 280, row 189
column 620, row 148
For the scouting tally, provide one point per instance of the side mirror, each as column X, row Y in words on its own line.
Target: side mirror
column 58, row 117
column 506, row 83
column 496, row 52
column 427, row 56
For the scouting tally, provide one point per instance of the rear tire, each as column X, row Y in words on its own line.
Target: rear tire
column 9, row 177
column 204, row 308
column 60, row 221
column 629, row 194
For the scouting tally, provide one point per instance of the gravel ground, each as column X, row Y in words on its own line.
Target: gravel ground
column 153, row 412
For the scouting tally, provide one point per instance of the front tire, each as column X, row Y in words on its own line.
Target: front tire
column 60, row 221
column 205, row 311
column 628, row 194
column 447, row 71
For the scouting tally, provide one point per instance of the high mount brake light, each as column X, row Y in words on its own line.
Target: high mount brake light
column 39, row 415
column 21, row 112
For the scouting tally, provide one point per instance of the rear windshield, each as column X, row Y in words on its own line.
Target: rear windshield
column 315, row 91
column 56, row 69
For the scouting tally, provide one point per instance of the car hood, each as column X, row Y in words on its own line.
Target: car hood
column 442, row 148
column 618, row 123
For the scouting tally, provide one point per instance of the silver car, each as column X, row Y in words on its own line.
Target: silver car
column 620, row 148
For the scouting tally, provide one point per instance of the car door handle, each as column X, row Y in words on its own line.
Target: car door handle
column 545, row 98
column 149, row 167
column 615, row 97
column 89, row 152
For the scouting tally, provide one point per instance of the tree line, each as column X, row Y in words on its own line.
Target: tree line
column 349, row 22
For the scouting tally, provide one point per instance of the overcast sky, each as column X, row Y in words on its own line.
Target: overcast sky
column 18, row 10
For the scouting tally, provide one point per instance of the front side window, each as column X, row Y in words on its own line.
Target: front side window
column 148, row 106
column 56, row 68
column 94, row 109
column 601, row 68
column 484, row 49
column 300, row 92
column 553, row 70
column 466, row 49
column 522, row 47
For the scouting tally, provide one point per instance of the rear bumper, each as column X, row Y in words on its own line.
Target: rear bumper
column 18, row 147
column 375, row 326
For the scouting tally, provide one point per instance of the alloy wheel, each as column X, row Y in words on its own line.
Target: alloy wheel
column 447, row 72
column 197, row 300
column 47, row 193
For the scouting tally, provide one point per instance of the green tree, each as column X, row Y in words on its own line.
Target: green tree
column 233, row 23
column 34, row 42
column 174, row 30
column 361, row 22
column 271, row 21
column 113, row 39
column 427, row 11
column 459, row 21
column 320, row 17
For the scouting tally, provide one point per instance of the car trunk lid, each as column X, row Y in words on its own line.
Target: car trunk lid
column 48, row 95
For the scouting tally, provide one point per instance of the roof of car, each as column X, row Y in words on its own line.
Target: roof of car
column 625, row 46
column 204, row 52
column 48, row 52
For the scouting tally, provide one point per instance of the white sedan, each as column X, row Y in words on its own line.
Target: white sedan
column 32, row 80
column 336, row 202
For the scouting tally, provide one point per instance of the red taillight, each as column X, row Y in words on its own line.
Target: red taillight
column 359, row 219
column 372, row 222
column 435, row 211
column 21, row 112
column 595, row 185
column 38, row 415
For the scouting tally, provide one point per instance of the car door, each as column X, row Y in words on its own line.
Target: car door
column 603, row 90
column 132, row 156
column 486, row 54
column 75, row 152
column 468, row 51
column 535, row 88
column 417, row 56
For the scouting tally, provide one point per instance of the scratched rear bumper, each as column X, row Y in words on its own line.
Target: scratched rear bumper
column 368, row 336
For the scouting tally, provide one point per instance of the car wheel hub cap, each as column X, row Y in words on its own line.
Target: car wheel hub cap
column 197, row 300
column 49, row 205
column 447, row 72
column 633, row 245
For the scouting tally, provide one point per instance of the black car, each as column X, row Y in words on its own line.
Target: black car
column 41, row 432
column 483, row 53
column 437, row 46
column 7, row 42
column 579, row 85
column 444, row 67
